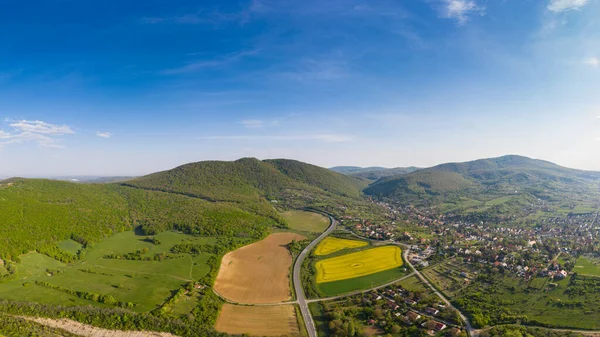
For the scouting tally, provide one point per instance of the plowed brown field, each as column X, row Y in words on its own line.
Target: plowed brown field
column 258, row 273
column 275, row 320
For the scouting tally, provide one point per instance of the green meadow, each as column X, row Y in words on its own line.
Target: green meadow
column 306, row 221
column 587, row 266
column 146, row 284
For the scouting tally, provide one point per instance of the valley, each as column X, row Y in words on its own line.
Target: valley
column 286, row 248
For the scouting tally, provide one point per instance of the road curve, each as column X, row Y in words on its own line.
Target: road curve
column 300, row 296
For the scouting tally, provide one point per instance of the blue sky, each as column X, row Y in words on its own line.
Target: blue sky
column 131, row 87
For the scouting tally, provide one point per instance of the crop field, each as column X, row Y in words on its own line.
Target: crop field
column 258, row 273
column 358, row 264
column 146, row 284
column 587, row 266
column 361, row 283
column 330, row 245
column 276, row 320
column 306, row 221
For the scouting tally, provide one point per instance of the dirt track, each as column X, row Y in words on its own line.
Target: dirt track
column 257, row 273
column 92, row 331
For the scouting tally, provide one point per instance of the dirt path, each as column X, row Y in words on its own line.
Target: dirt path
column 92, row 331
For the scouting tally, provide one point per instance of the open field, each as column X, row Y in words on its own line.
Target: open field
column 587, row 266
column 146, row 284
column 258, row 273
column 358, row 264
column 258, row 320
column 306, row 221
column 70, row 246
column 331, row 245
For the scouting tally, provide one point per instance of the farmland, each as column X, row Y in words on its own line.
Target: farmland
column 146, row 284
column 237, row 319
column 258, row 273
column 358, row 264
column 304, row 221
column 451, row 276
column 587, row 266
column 331, row 245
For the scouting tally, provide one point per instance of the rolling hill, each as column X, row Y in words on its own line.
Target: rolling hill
column 249, row 178
column 483, row 179
column 373, row 173
column 205, row 198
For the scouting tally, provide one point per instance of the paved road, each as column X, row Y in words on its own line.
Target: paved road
column 300, row 297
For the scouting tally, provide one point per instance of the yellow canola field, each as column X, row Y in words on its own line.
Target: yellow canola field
column 331, row 245
column 365, row 262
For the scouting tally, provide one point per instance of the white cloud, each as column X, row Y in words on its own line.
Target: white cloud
column 41, row 127
column 42, row 133
column 460, row 10
column 592, row 62
column 558, row 6
column 328, row 138
column 103, row 134
column 257, row 123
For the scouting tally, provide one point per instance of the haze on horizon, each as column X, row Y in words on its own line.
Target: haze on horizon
column 125, row 88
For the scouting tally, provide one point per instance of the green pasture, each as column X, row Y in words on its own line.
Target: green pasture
column 306, row 221
column 147, row 284
column 587, row 266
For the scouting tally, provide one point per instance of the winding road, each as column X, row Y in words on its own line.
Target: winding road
column 300, row 296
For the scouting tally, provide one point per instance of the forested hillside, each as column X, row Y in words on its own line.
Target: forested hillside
column 373, row 173
column 36, row 214
column 248, row 178
column 503, row 175
column 206, row 198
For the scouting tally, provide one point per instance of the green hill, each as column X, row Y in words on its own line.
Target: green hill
column 36, row 214
column 484, row 179
column 374, row 173
column 249, row 178
column 206, row 198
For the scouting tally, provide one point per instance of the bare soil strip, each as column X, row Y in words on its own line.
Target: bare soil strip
column 92, row 331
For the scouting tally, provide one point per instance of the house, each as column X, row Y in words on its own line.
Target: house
column 1, row 262
column 413, row 316
column 432, row 311
column 561, row 275
column 440, row 326
column 410, row 302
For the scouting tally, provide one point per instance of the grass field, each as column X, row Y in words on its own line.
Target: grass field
column 360, row 283
column 358, row 264
column 147, row 284
column 257, row 273
column 330, row 245
column 70, row 246
column 258, row 320
column 306, row 221
column 413, row 284
column 587, row 266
